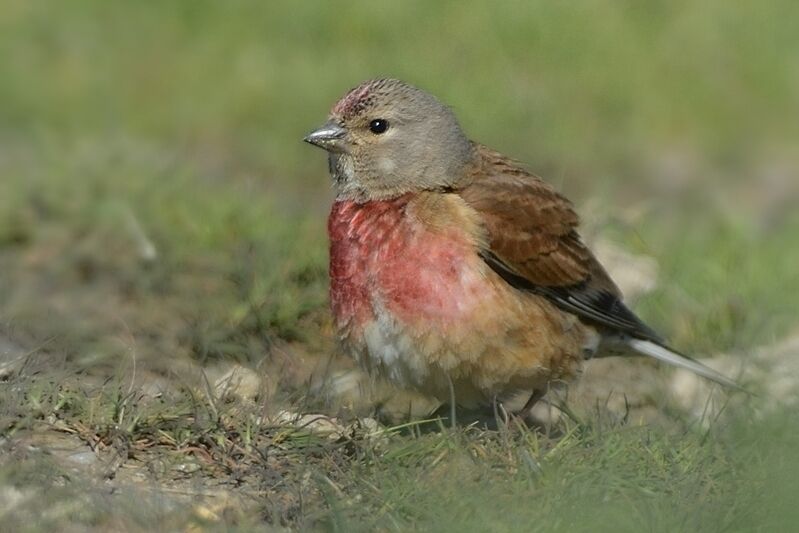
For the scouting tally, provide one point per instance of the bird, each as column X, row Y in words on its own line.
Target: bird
column 456, row 272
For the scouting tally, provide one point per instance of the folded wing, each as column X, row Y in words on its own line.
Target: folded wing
column 533, row 244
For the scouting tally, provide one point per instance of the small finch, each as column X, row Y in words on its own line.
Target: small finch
column 454, row 271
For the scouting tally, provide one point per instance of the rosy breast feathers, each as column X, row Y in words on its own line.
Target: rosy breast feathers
column 385, row 253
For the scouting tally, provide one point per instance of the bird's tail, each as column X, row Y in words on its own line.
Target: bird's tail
column 671, row 357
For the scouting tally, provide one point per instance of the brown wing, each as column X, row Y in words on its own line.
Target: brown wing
column 534, row 245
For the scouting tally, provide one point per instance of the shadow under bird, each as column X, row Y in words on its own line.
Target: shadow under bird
column 453, row 270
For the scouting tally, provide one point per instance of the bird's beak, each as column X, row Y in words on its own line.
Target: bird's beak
column 330, row 137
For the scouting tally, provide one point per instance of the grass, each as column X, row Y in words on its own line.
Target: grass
column 158, row 211
column 593, row 475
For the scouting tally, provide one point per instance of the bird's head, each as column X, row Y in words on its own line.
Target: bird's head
column 386, row 138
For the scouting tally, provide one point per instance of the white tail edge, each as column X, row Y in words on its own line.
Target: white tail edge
column 680, row 361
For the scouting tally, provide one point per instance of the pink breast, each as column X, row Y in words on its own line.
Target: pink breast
column 382, row 255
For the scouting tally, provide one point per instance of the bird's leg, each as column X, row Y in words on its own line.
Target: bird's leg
column 452, row 404
column 500, row 414
column 534, row 398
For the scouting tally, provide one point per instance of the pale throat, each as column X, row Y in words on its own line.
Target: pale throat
column 349, row 186
column 393, row 178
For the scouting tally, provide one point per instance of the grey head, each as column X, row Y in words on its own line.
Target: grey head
column 386, row 138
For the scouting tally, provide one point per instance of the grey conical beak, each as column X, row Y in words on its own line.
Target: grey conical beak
column 330, row 137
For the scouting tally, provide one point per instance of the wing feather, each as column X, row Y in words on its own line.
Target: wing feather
column 534, row 245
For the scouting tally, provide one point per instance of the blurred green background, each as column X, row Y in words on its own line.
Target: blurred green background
column 155, row 194
column 151, row 155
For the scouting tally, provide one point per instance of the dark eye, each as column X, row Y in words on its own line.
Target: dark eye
column 378, row 126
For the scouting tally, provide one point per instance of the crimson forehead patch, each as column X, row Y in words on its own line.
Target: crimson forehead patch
column 355, row 101
column 364, row 95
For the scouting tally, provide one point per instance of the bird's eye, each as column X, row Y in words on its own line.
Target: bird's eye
column 378, row 126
